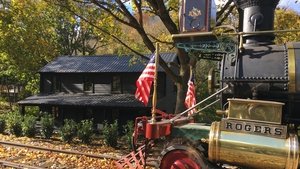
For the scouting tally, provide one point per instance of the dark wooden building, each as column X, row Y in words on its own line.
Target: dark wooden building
column 98, row 87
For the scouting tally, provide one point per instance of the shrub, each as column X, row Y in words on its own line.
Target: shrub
column 128, row 130
column 32, row 110
column 2, row 123
column 47, row 125
column 28, row 125
column 68, row 130
column 14, row 123
column 110, row 133
column 4, row 105
column 85, row 131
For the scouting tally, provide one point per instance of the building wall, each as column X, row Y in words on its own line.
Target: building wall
column 128, row 81
column 70, row 83
column 168, row 101
column 102, row 84
column 75, row 83
column 98, row 114
column 46, row 81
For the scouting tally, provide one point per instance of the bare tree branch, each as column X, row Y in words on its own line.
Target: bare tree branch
column 220, row 13
column 106, row 32
column 141, row 32
column 102, row 6
column 225, row 16
column 158, row 40
column 139, row 9
column 161, row 11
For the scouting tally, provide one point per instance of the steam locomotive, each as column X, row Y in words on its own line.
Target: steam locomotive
column 259, row 92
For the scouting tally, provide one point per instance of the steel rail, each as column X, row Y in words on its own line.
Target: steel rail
column 59, row 151
column 13, row 144
column 17, row 165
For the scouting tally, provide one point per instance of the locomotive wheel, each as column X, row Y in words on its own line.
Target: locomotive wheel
column 182, row 157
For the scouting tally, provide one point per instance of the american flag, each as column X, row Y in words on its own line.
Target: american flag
column 145, row 81
column 190, row 99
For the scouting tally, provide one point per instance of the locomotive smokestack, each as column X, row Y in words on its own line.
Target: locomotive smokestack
column 257, row 15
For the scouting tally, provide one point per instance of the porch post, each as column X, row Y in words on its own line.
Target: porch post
column 22, row 109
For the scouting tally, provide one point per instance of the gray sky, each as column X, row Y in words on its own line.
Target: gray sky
column 290, row 4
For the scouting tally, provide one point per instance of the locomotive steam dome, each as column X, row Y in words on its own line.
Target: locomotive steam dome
column 263, row 70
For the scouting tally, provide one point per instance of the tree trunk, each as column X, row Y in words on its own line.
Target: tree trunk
column 181, row 84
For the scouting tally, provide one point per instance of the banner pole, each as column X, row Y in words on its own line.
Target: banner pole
column 154, row 97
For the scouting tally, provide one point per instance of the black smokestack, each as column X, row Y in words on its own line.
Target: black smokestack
column 257, row 15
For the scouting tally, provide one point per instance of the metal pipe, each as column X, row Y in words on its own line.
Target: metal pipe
column 208, row 106
column 189, row 109
column 237, row 33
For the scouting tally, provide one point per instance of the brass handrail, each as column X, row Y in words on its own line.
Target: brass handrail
column 235, row 33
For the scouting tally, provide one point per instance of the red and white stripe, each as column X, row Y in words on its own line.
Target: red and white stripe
column 145, row 81
column 190, row 99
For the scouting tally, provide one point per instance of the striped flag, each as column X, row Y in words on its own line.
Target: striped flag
column 145, row 81
column 190, row 99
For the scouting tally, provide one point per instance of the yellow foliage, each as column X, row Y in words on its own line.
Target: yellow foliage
column 284, row 20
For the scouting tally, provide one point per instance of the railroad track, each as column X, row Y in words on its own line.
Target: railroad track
column 6, row 143
column 4, row 163
column 17, row 160
column 42, row 162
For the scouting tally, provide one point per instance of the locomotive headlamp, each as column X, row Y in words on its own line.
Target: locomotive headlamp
column 197, row 15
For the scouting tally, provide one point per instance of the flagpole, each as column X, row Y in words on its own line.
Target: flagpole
column 154, row 97
column 191, row 72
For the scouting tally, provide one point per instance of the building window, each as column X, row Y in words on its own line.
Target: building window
column 116, row 84
column 56, row 84
column 55, row 111
column 87, row 85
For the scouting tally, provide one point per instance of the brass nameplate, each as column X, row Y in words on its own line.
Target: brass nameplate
column 264, row 129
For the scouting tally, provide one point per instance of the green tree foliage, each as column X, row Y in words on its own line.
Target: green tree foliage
column 27, row 42
column 76, row 35
column 201, row 81
column 34, row 32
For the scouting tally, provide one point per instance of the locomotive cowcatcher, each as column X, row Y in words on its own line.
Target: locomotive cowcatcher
column 258, row 89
